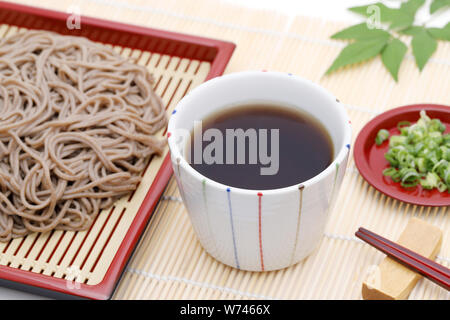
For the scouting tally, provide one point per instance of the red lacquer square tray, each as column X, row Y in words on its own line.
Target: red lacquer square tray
column 89, row 264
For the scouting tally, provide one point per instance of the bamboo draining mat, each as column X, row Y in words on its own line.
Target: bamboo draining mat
column 86, row 256
column 169, row 263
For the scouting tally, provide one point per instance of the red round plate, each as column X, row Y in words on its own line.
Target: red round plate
column 370, row 161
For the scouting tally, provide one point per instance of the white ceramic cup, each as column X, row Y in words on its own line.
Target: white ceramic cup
column 259, row 230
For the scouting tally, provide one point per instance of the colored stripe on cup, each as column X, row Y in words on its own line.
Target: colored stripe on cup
column 232, row 228
column 260, row 233
column 299, row 216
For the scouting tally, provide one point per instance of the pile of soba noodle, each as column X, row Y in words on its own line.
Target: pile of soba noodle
column 77, row 125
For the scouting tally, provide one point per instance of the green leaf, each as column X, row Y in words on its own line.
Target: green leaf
column 440, row 33
column 404, row 16
column 357, row 52
column 438, row 4
column 400, row 18
column 392, row 56
column 360, row 32
column 412, row 30
column 412, row 6
column 423, row 47
column 365, row 11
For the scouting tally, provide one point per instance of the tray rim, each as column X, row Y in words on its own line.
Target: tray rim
column 363, row 166
column 105, row 289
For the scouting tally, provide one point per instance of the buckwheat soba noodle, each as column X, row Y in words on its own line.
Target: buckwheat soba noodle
column 77, row 125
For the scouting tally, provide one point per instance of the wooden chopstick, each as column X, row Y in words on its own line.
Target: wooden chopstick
column 426, row 267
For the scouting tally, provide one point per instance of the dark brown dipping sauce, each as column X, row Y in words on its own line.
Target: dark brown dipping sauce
column 305, row 147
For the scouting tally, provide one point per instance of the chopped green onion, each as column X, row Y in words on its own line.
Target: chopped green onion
column 382, row 135
column 389, row 172
column 419, row 155
column 397, row 141
column 402, row 124
column 431, row 181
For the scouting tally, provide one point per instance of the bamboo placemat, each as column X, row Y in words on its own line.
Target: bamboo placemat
column 169, row 262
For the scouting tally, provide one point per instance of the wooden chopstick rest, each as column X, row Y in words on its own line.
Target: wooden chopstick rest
column 393, row 281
